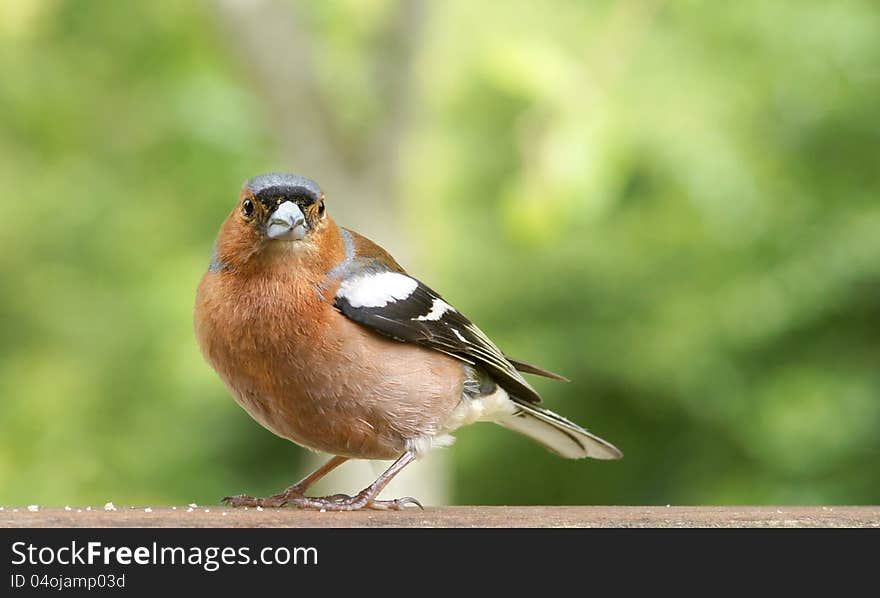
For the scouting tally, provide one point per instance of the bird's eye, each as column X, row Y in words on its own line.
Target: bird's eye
column 247, row 208
column 321, row 208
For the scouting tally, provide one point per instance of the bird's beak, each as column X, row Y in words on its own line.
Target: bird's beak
column 286, row 223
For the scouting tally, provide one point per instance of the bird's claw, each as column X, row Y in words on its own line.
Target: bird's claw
column 398, row 504
column 239, row 500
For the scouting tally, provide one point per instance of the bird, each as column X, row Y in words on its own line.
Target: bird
column 325, row 340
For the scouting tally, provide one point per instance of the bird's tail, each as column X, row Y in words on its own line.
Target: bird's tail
column 557, row 434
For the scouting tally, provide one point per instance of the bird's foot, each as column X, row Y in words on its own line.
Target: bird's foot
column 276, row 501
column 365, row 499
column 336, row 502
column 243, row 500
column 343, row 502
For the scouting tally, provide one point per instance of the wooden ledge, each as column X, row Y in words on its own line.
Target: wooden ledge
column 214, row 516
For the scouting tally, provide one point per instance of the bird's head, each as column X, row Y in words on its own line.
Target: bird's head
column 277, row 211
column 281, row 207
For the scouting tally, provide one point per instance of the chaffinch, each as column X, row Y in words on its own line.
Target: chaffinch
column 324, row 339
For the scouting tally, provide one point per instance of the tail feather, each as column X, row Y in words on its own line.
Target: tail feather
column 557, row 434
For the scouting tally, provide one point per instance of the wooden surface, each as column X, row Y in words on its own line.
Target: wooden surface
column 214, row 516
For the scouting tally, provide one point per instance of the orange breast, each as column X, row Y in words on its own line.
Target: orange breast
column 307, row 373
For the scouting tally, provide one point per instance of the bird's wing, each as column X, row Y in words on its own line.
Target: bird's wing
column 377, row 293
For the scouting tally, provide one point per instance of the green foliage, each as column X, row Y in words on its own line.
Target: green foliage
column 673, row 204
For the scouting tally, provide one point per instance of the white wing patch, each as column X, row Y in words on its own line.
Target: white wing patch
column 438, row 308
column 377, row 289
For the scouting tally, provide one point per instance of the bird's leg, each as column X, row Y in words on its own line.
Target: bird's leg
column 282, row 498
column 299, row 489
column 366, row 498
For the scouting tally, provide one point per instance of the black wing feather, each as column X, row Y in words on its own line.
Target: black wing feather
column 406, row 320
column 528, row 368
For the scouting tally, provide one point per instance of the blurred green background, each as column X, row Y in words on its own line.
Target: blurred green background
column 673, row 203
